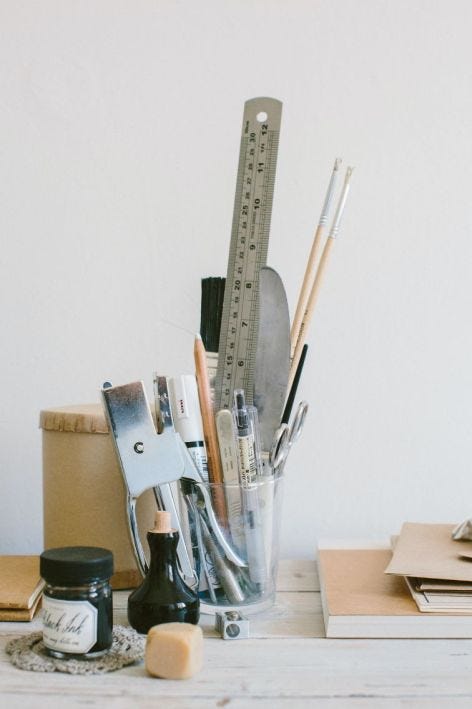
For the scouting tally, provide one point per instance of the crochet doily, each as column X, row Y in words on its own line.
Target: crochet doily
column 28, row 653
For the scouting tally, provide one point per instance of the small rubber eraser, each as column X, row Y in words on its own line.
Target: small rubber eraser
column 174, row 650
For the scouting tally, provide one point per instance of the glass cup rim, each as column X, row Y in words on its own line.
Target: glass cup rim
column 261, row 481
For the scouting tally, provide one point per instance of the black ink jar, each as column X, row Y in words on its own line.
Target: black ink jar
column 77, row 601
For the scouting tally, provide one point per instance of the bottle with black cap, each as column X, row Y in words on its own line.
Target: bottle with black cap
column 77, row 601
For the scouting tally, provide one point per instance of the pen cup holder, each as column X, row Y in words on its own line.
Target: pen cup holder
column 249, row 519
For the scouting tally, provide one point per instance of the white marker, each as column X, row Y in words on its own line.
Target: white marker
column 185, row 407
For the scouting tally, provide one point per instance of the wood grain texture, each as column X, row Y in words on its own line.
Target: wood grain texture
column 310, row 307
column 306, row 288
column 215, row 471
column 286, row 663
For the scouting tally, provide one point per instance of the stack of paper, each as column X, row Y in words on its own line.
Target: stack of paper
column 360, row 600
column 20, row 587
column 437, row 569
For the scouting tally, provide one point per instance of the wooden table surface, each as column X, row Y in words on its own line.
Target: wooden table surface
column 287, row 662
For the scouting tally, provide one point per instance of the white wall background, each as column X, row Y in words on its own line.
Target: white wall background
column 120, row 124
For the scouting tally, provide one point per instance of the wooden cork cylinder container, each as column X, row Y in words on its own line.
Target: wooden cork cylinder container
column 84, row 496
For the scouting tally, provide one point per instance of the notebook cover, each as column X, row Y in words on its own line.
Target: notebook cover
column 20, row 582
column 360, row 601
column 19, row 615
column 354, row 583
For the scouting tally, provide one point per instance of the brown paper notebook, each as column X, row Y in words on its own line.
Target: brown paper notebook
column 428, row 551
column 20, row 615
column 20, row 587
column 361, row 601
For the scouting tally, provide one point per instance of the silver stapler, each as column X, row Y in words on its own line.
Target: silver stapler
column 149, row 460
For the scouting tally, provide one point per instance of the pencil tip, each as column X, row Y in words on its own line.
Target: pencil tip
column 349, row 172
column 337, row 163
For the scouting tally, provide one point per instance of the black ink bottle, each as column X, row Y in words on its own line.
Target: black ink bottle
column 163, row 596
column 77, row 601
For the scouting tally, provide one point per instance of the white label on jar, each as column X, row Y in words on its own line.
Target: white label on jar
column 69, row 626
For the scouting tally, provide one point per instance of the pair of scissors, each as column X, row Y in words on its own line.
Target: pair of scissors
column 285, row 437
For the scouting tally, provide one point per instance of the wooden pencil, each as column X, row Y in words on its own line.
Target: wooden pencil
column 215, row 472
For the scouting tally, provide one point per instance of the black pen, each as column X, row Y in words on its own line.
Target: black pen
column 294, row 387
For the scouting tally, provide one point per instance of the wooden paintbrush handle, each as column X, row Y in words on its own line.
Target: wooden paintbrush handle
column 310, row 307
column 305, row 289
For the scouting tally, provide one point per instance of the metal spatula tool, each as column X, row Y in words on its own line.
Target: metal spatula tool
column 151, row 460
column 272, row 356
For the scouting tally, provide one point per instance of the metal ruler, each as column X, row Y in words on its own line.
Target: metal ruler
column 248, row 249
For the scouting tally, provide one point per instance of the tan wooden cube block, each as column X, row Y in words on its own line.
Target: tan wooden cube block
column 174, row 650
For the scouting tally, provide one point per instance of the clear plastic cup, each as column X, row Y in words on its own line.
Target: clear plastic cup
column 250, row 523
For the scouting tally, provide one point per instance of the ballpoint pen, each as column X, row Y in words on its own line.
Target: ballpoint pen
column 230, row 465
column 248, row 465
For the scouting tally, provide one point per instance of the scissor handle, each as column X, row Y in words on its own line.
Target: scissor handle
column 298, row 422
column 279, row 446
column 285, row 437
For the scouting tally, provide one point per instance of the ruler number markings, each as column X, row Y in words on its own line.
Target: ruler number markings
column 248, row 252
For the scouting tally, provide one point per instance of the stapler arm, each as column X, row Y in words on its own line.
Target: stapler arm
column 149, row 460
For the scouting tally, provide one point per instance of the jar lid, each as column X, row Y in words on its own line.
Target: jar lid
column 79, row 418
column 76, row 565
